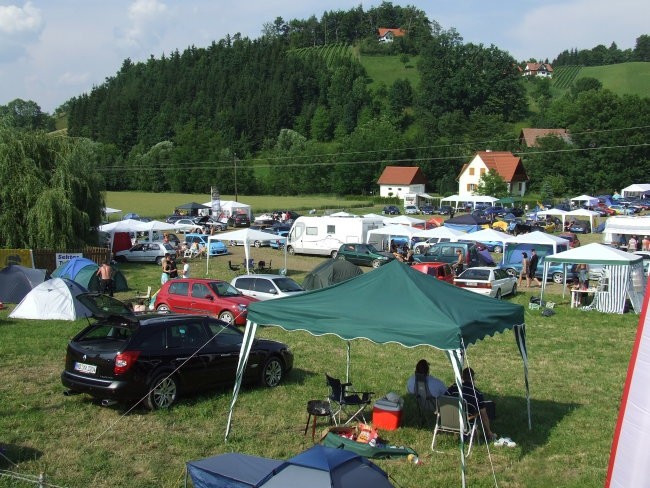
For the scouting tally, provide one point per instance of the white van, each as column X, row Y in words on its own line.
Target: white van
column 324, row 235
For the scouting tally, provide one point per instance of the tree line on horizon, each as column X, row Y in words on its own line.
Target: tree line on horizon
column 251, row 117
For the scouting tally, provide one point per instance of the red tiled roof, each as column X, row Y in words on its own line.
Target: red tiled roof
column 530, row 136
column 538, row 66
column 401, row 175
column 505, row 163
column 382, row 31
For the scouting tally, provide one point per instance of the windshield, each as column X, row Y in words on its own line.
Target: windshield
column 287, row 285
column 224, row 289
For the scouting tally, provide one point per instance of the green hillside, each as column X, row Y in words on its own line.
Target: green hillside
column 622, row 79
column 388, row 69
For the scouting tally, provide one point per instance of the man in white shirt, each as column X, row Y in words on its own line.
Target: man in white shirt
column 435, row 386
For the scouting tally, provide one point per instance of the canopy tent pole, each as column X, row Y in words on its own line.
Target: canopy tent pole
column 246, row 345
column 520, row 336
column 456, row 359
column 347, row 367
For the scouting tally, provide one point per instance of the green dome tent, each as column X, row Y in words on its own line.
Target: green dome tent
column 84, row 272
column 329, row 272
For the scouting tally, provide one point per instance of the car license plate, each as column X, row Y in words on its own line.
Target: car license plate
column 471, row 283
column 85, row 368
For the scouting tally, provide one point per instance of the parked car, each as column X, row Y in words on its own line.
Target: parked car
column 621, row 210
column 204, row 296
column 281, row 241
column 127, row 357
column 173, row 218
column 422, row 246
column 446, row 210
column 555, row 271
column 146, row 252
column 207, row 223
column 239, row 220
column 185, row 225
column 445, row 252
column 267, row 286
column 216, row 247
column 411, row 210
column 494, row 282
column 578, row 226
column 571, row 237
column 427, row 209
column 363, row 255
column 390, row 210
column 440, row 271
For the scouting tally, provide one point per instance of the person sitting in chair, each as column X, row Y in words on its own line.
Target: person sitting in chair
column 434, row 385
column 475, row 402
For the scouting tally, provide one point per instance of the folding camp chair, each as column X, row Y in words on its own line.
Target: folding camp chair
column 343, row 400
column 427, row 404
column 140, row 295
column 448, row 420
column 235, row 268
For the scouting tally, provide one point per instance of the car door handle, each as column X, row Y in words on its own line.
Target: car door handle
column 227, row 354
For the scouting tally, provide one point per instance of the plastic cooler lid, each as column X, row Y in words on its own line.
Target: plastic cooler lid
column 387, row 405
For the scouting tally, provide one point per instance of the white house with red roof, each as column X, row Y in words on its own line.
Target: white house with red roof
column 506, row 164
column 544, row 70
column 388, row 35
column 405, row 182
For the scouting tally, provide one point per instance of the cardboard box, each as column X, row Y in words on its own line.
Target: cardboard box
column 386, row 415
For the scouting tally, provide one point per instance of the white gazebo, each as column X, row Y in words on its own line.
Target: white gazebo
column 247, row 236
column 583, row 212
column 635, row 190
column 585, row 200
column 402, row 220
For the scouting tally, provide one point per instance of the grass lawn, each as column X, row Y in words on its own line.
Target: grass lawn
column 578, row 362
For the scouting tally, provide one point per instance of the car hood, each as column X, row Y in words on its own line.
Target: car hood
column 236, row 300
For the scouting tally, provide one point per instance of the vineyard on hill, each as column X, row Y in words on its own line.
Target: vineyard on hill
column 564, row 76
column 331, row 53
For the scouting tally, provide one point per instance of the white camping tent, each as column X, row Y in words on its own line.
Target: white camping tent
column 627, row 464
column 247, row 236
column 622, row 276
column 585, row 200
column 229, row 207
column 402, row 220
column 619, row 229
column 635, row 190
column 53, row 299
column 376, row 236
column 582, row 212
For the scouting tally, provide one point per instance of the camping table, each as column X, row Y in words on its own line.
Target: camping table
column 317, row 408
column 576, row 295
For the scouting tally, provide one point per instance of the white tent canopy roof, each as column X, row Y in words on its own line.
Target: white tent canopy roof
column 552, row 211
column 537, row 237
column 636, row 188
column 394, row 230
column 585, row 198
column 402, row 219
column 109, row 210
column 488, row 235
column 441, row 232
column 594, row 253
column 343, row 214
column 628, row 225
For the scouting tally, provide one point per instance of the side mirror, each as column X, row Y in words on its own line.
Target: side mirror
column 209, row 297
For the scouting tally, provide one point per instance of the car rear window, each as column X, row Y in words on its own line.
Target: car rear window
column 106, row 331
column 287, row 284
column 476, row 274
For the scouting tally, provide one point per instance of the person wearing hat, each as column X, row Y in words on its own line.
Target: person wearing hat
column 435, row 386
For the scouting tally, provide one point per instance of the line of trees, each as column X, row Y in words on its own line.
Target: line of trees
column 602, row 55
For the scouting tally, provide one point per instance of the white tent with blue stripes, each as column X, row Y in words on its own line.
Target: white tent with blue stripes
column 621, row 278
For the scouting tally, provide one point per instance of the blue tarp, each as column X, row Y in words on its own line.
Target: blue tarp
column 466, row 223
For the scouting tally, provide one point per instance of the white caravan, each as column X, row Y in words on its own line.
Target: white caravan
column 324, row 235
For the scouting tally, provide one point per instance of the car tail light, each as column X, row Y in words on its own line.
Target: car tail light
column 124, row 361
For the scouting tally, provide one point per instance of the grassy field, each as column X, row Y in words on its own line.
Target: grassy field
column 578, row 362
column 388, row 69
column 624, row 78
column 161, row 205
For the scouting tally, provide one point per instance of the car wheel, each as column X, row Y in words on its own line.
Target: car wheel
column 291, row 250
column 333, row 254
column 159, row 260
column 257, row 244
column 272, row 372
column 227, row 316
column 120, row 259
column 498, row 295
column 163, row 307
column 558, row 278
column 162, row 392
column 514, row 289
column 498, row 249
column 512, row 272
column 376, row 263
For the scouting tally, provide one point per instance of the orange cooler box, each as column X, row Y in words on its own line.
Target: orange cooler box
column 386, row 415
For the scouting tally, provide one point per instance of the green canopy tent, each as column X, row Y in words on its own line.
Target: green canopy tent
column 430, row 313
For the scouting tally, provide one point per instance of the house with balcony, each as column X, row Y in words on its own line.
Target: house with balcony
column 388, row 35
column 543, row 70
column 404, row 182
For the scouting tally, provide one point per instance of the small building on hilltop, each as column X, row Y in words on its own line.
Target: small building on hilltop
column 387, row 35
column 543, row 70
column 506, row 164
column 405, row 182
column 528, row 136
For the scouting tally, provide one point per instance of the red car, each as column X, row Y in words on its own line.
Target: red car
column 441, row 271
column 204, row 296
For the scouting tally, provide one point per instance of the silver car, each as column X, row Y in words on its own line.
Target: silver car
column 494, row 282
column 267, row 286
column 146, row 252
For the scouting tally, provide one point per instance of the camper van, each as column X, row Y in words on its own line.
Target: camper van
column 324, row 235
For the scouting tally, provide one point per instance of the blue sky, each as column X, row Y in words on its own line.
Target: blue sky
column 51, row 50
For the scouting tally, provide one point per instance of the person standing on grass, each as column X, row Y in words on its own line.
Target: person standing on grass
column 532, row 267
column 523, row 274
column 186, row 268
column 645, row 244
column 105, row 273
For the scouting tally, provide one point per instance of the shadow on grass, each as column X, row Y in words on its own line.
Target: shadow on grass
column 12, row 454
column 511, row 419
